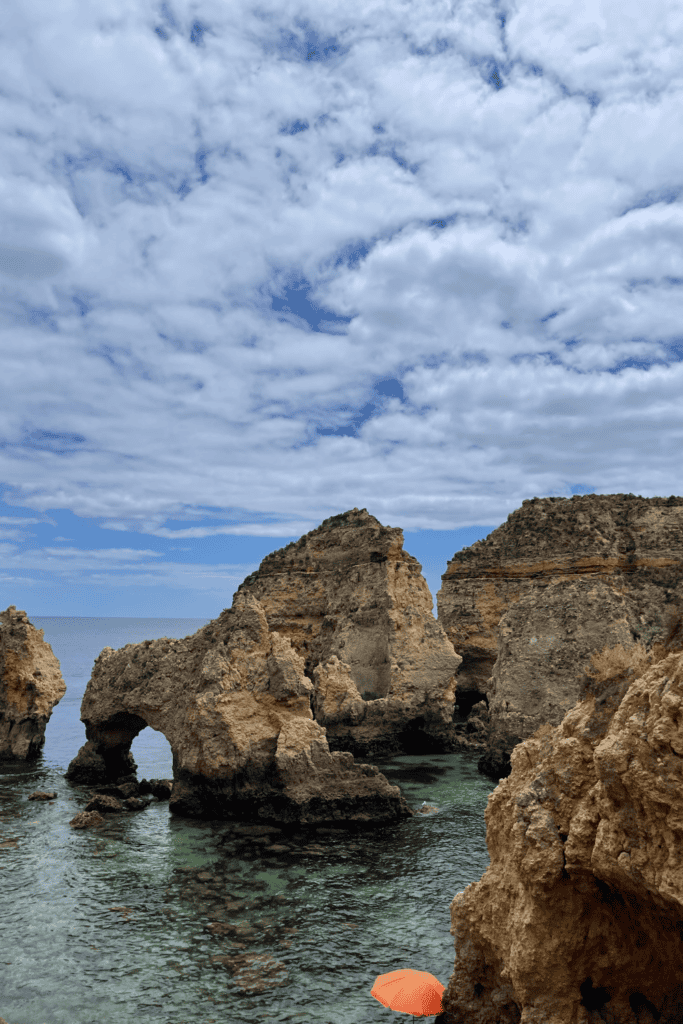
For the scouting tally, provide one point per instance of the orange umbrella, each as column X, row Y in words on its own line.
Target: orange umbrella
column 408, row 991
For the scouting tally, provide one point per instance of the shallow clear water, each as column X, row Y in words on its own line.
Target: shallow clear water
column 161, row 919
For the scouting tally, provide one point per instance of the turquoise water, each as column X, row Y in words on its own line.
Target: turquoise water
column 161, row 919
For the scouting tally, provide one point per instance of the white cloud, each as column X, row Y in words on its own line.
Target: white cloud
column 223, row 226
column 116, row 567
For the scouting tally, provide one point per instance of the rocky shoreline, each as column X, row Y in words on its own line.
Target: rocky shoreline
column 556, row 659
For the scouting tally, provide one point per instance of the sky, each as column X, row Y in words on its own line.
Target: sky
column 262, row 263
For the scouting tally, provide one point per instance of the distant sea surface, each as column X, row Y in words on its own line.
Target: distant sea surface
column 156, row 918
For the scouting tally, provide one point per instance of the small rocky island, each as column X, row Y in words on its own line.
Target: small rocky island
column 31, row 685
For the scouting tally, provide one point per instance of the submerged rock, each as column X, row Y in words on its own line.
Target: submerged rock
column 30, row 685
column 357, row 609
column 578, row 917
column 234, row 704
column 562, row 580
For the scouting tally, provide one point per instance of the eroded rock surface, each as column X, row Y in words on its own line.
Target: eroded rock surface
column 545, row 644
column 357, row 609
column 578, row 917
column 562, row 579
column 30, row 685
column 234, row 705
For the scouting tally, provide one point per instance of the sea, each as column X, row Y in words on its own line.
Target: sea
column 163, row 920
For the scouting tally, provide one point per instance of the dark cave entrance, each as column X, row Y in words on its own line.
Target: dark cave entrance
column 465, row 701
column 414, row 740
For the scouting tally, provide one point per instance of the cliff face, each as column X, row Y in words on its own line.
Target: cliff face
column 357, row 609
column 578, row 917
column 30, row 685
column 562, row 579
column 234, row 704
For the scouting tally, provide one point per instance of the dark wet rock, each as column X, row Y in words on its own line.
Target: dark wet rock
column 160, row 788
column 136, row 803
column 121, row 790
column 96, row 764
column 109, row 804
column 496, row 761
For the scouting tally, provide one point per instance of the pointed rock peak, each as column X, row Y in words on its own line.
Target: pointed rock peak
column 248, row 621
column 341, row 540
column 348, row 590
column 353, row 518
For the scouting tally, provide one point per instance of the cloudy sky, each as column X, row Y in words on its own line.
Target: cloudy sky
column 262, row 263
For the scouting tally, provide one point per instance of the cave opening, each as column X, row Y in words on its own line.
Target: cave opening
column 638, row 1002
column 465, row 701
column 593, row 998
column 413, row 739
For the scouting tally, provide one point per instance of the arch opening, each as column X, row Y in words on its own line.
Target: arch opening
column 152, row 754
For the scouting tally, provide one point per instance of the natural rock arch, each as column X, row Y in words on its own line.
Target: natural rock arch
column 234, row 704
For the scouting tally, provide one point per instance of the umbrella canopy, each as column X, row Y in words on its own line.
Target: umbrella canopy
column 408, row 991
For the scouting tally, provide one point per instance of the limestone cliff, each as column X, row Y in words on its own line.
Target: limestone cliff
column 30, row 685
column 357, row 609
column 562, row 579
column 577, row 920
column 234, row 704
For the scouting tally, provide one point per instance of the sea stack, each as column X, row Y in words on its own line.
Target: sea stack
column 562, row 580
column 356, row 607
column 31, row 685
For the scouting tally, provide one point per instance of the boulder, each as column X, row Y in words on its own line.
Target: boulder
column 561, row 580
column 107, row 804
column 87, row 819
column 577, row 919
column 235, row 706
column 104, row 804
column 160, row 788
column 358, row 611
column 30, row 685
